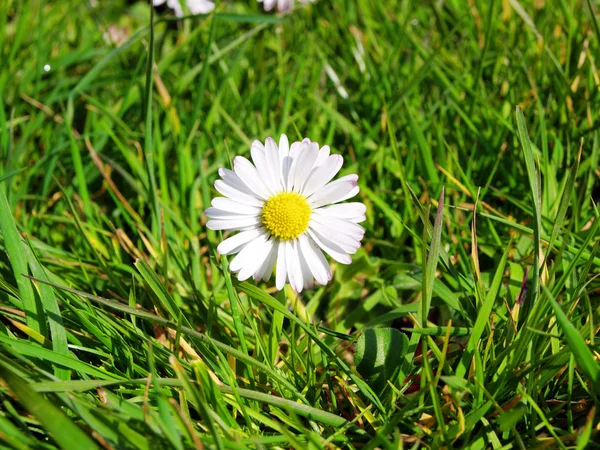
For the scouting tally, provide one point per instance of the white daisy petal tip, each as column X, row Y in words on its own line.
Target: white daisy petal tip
column 281, row 6
column 288, row 210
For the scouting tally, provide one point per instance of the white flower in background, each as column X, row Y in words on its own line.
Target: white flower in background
column 282, row 5
column 116, row 35
column 279, row 205
column 200, row 6
column 195, row 6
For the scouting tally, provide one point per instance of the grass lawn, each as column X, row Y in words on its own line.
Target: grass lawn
column 468, row 318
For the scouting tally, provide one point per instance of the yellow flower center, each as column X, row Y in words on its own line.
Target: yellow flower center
column 286, row 215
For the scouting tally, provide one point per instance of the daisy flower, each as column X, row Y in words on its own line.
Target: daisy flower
column 280, row 206
column 195, row 6
column 282, row 5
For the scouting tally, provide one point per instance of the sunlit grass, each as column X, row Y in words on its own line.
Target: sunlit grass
column 121, row 326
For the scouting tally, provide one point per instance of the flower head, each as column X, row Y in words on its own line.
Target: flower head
column 195, row 6
column 282, row 5
column 280, row 206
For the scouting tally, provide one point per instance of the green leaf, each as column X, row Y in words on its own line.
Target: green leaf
column 379, row 355
column 428, row 279
column 50, row 303
column 583, row 356
column 148, row 147
column 167, row 302
column 432, row 259
column 199, row 399
column 536, row 194
column 458, row 383
column 583, row 437
column 68, row 435
column 483, row 316
column 511, row 418
column 266, row 299
column 298, row 408
column 564, row 204
column 12, row 173
column 424, row 145
column 244, row 357
column 34, row 350
column 18, row 260
column 594, row 20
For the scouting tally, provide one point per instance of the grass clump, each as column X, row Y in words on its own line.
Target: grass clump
column 473, row 127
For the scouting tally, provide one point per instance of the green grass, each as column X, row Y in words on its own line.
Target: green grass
column 474, row 128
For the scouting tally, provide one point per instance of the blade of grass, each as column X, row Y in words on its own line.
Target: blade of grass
column 430, row 267
column 565, row 199
column 86, row 385
column 275, row 376
column 15, row 248
column 432, row 260
column 594, row 20
column 483, row 316
column 57, row 330
column 583, row 356
column 535, row 186
column 148, row 148
column 266, row 299
column 68, row 435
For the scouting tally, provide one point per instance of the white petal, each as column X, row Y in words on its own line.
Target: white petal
column 250, row 227
column 357, row 219
column 351, row 194
column 250, row 176
column 292, row 260
column 229, row 191
column 266, row 269
column 284, row 148
column 175, row 6
column 227, row 204
column 260, row 253
column 348, row 243
column 284, row 5
column 323, row 155
column 331, row 248
column 248, row 255
column 200, row 6
column 268, row 4
column 231, row 178
column 288, row 168
column 235, row 224
column 304, row 165
column 315, row 260
column 309, row 280
column 273, row 164
column 258, row 146
column 344, row 211
column 235, row 243
column 216, row 213
column 281, row 270
column 322, row 174
column 340, row 226
column 334, row 192
column 262, row 167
